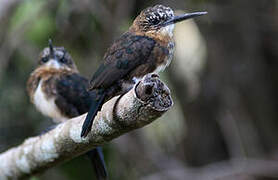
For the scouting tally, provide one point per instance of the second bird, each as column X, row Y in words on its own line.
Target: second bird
column 58, row 91
column 147, row 47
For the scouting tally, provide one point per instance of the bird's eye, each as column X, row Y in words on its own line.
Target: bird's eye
column 155, row 21
column 63, row 60
column 164, row 17
column 44, row 59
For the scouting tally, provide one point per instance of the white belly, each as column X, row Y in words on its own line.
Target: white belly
column 47, row 106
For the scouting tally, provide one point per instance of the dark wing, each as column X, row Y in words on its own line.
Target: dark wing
column 126, row 53
column 72, row 96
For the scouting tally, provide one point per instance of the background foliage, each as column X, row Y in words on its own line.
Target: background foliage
column 223, row 79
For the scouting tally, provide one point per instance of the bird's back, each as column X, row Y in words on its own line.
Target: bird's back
column 126, row 53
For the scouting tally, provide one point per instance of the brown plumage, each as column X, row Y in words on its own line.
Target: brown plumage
column 58, row 91
column 147, row 47
column 47, row 75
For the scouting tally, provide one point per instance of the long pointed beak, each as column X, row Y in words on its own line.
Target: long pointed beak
column 51, row 48
column 183, row 17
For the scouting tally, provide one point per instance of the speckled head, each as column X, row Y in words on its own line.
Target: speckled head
column 160, row 19
column 56, row 58
column 153, row 17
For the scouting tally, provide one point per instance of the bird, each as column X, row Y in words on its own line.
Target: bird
column 58, row 91
column 146, row 47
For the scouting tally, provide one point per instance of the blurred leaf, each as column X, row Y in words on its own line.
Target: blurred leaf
column 32, row 13
column 25, row 11
column 40, row 31
column 34, row 178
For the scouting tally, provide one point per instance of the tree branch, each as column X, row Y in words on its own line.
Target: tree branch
column 147, row 101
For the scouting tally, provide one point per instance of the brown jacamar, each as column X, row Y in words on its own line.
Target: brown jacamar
column 147, row 47
column 58, row 91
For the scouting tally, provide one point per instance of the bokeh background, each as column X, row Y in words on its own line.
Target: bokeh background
column 223, row 78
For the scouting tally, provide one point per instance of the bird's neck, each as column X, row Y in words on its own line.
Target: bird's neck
column 158, row 36
column 49, row 71
column 44, row 74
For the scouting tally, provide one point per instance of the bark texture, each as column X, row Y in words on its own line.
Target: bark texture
column 147, row 101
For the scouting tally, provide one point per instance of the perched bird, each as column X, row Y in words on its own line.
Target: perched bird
column 147, row 47
column 58, row 91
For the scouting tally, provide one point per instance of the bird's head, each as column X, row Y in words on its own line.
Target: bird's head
column 56, row 58
column 159, row 19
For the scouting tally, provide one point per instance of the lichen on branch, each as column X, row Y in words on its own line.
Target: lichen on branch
column 147, row 101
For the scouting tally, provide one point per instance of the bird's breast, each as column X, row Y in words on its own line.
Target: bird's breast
column 167, row 58
column 46, row 105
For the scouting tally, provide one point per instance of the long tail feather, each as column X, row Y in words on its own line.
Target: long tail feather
column 97, row 159
column 95, row 107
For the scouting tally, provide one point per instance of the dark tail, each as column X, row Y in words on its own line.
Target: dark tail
column 96, row 157
column 95, row 107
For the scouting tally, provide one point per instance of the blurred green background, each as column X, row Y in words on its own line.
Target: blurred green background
column 223, row 78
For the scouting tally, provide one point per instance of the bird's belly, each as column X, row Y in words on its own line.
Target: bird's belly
column 47, row 106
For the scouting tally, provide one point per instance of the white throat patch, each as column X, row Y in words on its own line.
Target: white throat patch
column 52, row 63
column 168, row 30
